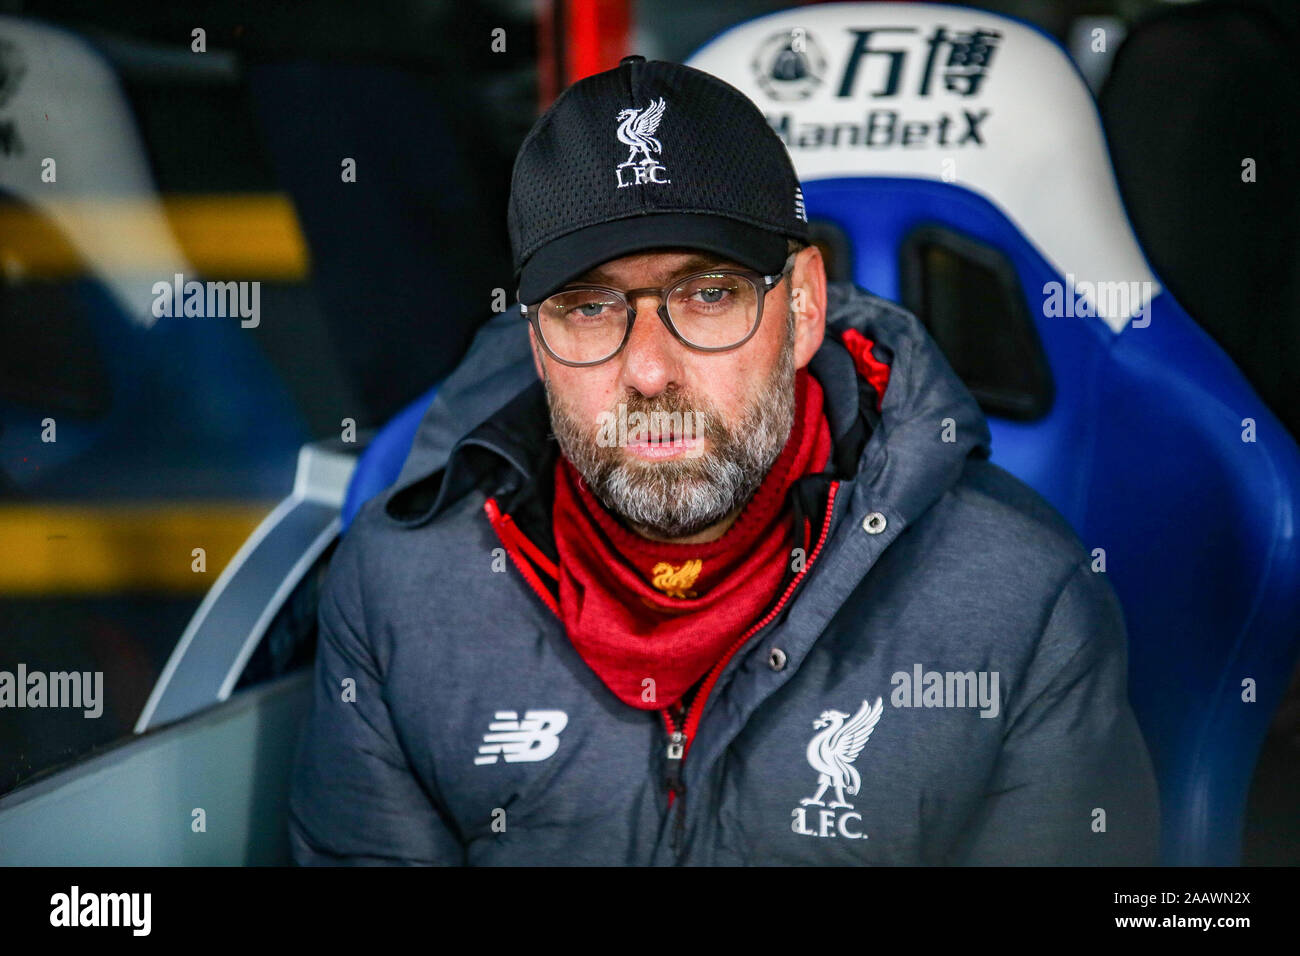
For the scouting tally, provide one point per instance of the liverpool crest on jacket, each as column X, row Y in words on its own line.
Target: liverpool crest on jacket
column 831, row 752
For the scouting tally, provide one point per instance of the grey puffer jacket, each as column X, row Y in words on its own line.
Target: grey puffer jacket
column 945, row 682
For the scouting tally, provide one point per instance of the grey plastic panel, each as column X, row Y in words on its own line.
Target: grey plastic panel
column 134, row 805
column 211, row 653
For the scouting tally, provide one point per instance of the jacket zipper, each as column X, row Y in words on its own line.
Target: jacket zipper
column 681, row 734
column 673, row 772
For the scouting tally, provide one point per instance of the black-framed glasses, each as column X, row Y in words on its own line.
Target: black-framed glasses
column 710, row 311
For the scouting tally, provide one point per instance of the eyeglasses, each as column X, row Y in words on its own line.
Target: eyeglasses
column 708, row 311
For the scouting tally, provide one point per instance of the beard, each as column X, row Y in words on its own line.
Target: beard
column 682, row 496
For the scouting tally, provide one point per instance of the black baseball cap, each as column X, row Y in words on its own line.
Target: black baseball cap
column 649, row 155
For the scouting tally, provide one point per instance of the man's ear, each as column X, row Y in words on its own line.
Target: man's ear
column 537, row 352
column 808, row 300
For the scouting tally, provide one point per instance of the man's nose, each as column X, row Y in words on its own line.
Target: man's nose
column 652, row 356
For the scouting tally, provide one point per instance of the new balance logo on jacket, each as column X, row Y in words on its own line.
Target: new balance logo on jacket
column 536, row 737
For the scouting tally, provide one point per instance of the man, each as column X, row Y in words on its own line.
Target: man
column 732, row 581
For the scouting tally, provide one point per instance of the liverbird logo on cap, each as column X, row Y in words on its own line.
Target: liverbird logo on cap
column 636, row 129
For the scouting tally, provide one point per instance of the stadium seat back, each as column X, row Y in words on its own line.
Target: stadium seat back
column 953, row 160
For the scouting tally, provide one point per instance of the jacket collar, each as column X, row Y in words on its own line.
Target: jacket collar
column 518, row 437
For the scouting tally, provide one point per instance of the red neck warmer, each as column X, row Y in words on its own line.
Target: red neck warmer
column 640, row 610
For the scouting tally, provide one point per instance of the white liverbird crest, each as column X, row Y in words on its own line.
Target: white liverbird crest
column 636, row 129
column 832, row 752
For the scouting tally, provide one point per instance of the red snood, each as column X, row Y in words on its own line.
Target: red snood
column 652, row 618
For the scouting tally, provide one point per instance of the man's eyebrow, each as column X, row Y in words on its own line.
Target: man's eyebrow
column 699, row 263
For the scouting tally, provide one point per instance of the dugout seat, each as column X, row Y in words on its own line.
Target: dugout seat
column 953, row 160
column 379, row 464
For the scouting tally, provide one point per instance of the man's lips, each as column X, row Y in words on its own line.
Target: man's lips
column 664, row 448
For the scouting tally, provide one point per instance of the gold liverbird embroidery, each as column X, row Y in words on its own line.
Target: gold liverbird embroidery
column 675, row 581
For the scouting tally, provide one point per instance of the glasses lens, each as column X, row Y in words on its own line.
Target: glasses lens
column 583, row 325
column 714, row 311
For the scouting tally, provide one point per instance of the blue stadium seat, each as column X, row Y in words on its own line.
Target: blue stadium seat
column 382, row 460
column 909, row 122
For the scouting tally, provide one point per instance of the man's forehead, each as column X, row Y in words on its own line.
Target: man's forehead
column 654, row 267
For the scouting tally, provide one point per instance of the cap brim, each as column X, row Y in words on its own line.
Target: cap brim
column 568, row 257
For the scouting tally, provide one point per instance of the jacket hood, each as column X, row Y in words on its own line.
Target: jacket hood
column 928, row 421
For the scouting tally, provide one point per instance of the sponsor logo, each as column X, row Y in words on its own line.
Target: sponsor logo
column 832, row 753
column 880, row 64
column 636, row 129
column 535, row 737
column 883, row 129
column 962, row 58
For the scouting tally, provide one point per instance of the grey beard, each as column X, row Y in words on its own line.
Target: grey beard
column 683, row 496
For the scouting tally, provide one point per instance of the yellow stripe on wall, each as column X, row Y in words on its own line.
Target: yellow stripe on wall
column 234, row 236
column 86, row 549
column 240, row 236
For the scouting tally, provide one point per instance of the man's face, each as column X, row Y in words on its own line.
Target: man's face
column 718, row 420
